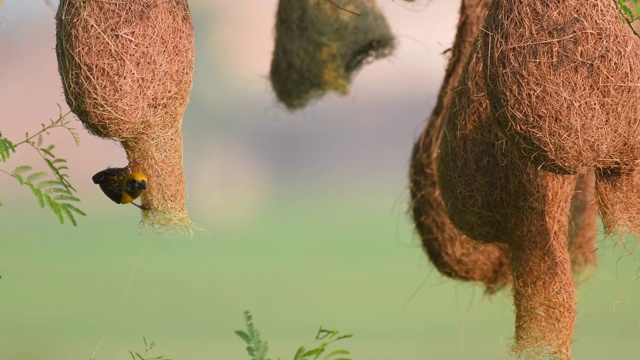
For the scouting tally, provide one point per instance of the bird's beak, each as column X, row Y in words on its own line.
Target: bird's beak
column 142, row 185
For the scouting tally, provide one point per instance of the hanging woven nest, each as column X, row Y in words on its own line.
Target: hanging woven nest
column 126, row 69
column 494, row 194
column 320, row 44
column 452, row 252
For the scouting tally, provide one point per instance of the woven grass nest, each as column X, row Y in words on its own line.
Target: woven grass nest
column 486, row 212
column 453, row 253
column 494, row 194
column 126, row 69
column 320, row 44
column 563, row 77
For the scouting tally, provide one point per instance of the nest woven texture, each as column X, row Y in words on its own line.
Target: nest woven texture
column 126, row 66
column 563, row 79
column 493, row 193
column 127, row 69
column 320, row 44
column 471, row 181
column 454, row 254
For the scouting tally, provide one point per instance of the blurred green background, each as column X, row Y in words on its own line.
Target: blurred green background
column 304, row 216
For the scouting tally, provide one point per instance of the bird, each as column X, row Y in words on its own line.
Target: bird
column 122, row 185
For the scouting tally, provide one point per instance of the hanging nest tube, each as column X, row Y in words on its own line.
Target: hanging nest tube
column 495, row 194
column 127, row 69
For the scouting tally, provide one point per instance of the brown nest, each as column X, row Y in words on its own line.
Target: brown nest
column 481, row 205
column 562, row 78
column 454, row 254
column 320, row 44
column 619, row 201
column 126, row 68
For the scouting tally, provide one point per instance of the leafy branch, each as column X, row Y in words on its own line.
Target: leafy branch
column 257, row 348
column 147, row 349
column 630, row 15
column 326, row 337
column 56, row 193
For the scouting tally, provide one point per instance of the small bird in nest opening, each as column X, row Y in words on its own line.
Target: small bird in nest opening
column 121, row 185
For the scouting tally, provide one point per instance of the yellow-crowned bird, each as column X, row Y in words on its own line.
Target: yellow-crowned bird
column 121, row 185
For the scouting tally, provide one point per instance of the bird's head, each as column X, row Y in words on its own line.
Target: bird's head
column 135, row 183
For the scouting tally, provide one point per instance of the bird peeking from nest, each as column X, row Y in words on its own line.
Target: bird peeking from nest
column 121, row 185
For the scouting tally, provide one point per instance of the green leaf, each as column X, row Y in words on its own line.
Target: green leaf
column 337, row 352
column 49, row 183
column 243, row 335
column 324, row 333
column 59, row 175
column 75, row 209
column 37, row 193
column 313, row 352
column 6, row 148
column 64, row 197
column 35, row 176
column 39, row 142
column 21, row 169
column 55, row 207
column 627, row 12
column 48, row 150
column 60, row 190
column 300, row 353
column 250, row 351
column 69, row 215
column 19, row 178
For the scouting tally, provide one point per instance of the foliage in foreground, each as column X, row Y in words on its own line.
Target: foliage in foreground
column 146, row 354
column 630, row 9
column 51, row 188
column 258, row 348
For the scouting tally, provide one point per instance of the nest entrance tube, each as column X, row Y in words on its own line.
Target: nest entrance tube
column 127, row 71
column 161, row 156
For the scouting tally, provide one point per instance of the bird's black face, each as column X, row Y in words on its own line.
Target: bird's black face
column 135, row 187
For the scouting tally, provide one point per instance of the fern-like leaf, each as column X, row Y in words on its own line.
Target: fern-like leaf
column 22, row 169
column 35, row 176
column 55, row 207
column 65, row 210
column 48, row 150
column 335, row 353
column 6, row 148
column 244, row 336
column 57, row 194
column 74, row 209
column 256, row 347
column 38, row 194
